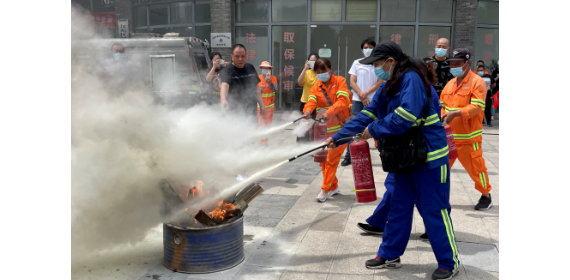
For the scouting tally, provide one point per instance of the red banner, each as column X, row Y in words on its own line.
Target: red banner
column 104, row 19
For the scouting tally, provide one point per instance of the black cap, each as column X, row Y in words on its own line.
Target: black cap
column 383, row 50
column 460, row 54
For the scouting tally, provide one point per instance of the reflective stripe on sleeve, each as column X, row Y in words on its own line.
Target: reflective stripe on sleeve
column 268, row 94
column 429, row 121
column 478, row 102
column 313, row 97
column 437, row 154
column 405, row 114
column 339, row 93
column 468, row 136
column 368, row 113
column 333, row 129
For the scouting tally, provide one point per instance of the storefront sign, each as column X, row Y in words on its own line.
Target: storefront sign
column 104, row 19
column 123, row 28
column 325, row 53
column 221, row 40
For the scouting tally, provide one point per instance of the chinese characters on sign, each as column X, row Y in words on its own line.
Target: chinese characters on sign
column 396, row 38
column 288, row 37
column 488, row 39
column 250, row 54
column 123, row 28
column 289, row 54
column 288, row 70
column 221, row 40
column 487, row 56
column 433, row 38
column 250, row 38
column 104, row 19
column 288, row 85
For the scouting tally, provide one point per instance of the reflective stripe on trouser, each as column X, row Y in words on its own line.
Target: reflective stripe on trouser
column 330, row 182
column 422, row 187
column 471, row 157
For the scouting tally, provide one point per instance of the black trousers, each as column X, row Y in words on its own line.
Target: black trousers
column 488, row 106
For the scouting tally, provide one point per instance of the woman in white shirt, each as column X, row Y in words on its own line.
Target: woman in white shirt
column 364, row 84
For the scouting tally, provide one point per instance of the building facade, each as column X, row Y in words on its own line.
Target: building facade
column 284, row 32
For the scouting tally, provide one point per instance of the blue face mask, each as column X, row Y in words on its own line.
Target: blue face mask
column 457, row 72
column 440, row 52
column 480, row 73
column 381, row 74
column 117, row 55
column 263, row 71
column 367, row 52
column 324, row 77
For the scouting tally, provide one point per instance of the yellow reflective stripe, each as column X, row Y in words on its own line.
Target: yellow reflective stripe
column 478, row 101
column 441, row 102
column 450, row 236
column 319, row 108
column 313, row 97
column 447, row 109
column 333, row 129
column 437, row 154
column 430, row 120
column 468, row 136
column 268, row 94
column 267, row 106
column 405, row 114
column 370, row 114
column 339, row 93
column 349, row 106
column 444, row 173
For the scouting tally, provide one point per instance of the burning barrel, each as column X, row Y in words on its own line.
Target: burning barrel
column 205, row 249
column 207, row 241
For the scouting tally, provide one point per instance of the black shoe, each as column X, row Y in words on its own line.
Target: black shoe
column 382, row 263
column 370, row 229
column 346, row 161
column 489, row 124
column 485, row 203
column 424, row 237
column 443, row 274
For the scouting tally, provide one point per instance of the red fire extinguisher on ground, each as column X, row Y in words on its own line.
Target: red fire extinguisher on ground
column 450, row 142
column 362, row 170
column 320, row 131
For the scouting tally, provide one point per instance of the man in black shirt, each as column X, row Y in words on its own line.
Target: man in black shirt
column 239, row 91
column 441, row 64
column 495, row 75
column 490, row 83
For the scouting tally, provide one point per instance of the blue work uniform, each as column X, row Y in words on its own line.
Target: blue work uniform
column 380, row 216
column 428, row 186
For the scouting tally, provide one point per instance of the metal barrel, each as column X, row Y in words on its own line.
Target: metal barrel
column 203, row 250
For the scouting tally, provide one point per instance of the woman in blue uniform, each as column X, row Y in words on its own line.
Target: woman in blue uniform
column 397, row 106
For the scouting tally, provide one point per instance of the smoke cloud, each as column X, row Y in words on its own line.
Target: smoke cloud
column 123, row 142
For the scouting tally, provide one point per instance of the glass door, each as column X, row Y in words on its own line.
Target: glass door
column 341, row 45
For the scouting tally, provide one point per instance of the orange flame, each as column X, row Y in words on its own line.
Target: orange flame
column 219, row 214
column 196, row 190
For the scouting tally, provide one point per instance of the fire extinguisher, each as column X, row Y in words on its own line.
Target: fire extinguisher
column 320, row 131
column 450, row 142
column 321, row 156
column 362, row 170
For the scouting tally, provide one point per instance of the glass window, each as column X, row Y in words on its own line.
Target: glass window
column 361, row 10
column 159, row 30
column 203, row 32
column 181, row 12
column 326, row 10
column 184, row 31
column 158, row 14
column 141, row 18
column 203, row 11
column 427, row 38
column 401, row 35
column 252, row 10
column 256, row 41
column 289, row 56
column 486, row 45
column 487, row 12
column 290, row 10
column 436, row 10
column 398, row 10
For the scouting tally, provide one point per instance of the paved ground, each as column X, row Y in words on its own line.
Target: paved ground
column 289, row 235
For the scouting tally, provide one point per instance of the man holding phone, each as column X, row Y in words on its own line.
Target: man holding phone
column 268, row 86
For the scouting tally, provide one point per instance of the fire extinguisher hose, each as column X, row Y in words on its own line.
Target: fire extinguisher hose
column 319, row 147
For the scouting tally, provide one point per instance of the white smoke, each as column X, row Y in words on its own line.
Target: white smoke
column 123, row 143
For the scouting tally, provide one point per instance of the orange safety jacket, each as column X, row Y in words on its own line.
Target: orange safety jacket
column 268, row 94
column 469, row 98
column 339, row 95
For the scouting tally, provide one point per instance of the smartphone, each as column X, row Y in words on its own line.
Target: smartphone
column 312, row 63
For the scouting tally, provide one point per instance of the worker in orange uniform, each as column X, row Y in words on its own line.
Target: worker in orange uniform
column 330, row 93
column 463, row 104
column 268, row 87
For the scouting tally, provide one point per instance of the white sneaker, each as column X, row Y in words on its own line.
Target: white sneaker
column 337, row 190
column 322, row 197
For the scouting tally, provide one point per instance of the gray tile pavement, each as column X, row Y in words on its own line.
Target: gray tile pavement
column 289, row 235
